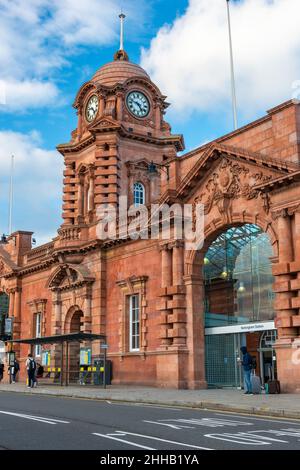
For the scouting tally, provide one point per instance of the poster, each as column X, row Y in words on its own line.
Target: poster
column 85, row 356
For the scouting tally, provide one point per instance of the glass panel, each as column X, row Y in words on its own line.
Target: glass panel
column 238, row 278
column 139, row 194
column 134, row 319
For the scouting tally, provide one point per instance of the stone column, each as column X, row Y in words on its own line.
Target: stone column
column 178, row 316
column 297, row 247
column 166, row 282
column 80, row 201
column 157, row 116
column 195, row 330
column 79, row 128
column 101, row 106
column 119, row 106
column 178, row 251
column 85, row 197
column 11, row 303
column 283, row 302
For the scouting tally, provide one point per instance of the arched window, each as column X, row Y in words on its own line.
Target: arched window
column 138, row 194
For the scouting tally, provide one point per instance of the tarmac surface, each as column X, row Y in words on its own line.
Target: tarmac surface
column 283, row 405
column 32, row 421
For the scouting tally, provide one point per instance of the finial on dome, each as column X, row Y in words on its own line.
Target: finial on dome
column 121, row 54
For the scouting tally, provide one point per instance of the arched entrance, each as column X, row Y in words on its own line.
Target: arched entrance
column 238, row 301
column 73, row 323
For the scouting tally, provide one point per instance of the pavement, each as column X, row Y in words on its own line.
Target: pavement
column 283, row 405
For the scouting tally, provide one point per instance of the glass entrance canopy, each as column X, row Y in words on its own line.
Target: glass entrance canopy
column 238, row 278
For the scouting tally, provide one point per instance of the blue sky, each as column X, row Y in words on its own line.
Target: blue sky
column 48, row 48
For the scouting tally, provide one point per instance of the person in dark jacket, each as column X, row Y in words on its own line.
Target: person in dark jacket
column 14, row 370
column 1, row 370
column 247, row 367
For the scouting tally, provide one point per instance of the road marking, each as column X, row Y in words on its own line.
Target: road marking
column 244, row 438
column 271, row 420
column 172, row 426
column 182, row 423
column 107, row 436
column 35, row 418
column 157, row 439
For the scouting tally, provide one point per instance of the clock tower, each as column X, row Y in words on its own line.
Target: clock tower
column 121, row 130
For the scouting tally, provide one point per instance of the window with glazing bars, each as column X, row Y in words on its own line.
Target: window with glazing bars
column 134, row 323
column 138, row 194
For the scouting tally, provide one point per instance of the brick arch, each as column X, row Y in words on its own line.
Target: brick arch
column 74, row 310
column 194, row 258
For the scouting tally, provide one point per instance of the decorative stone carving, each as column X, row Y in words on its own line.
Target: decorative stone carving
column 230, row 181
column 3, row 269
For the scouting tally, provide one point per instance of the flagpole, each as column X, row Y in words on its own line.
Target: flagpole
column 122, row 17
column 11, row 195
column 233, row 92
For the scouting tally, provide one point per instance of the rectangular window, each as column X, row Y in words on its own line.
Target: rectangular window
column 38, row 347
column 134, row 323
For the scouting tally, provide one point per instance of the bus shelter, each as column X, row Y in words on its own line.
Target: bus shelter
column 64, row 341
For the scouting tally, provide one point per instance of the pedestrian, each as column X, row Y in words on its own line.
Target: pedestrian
column 31, row 368
column 15, row 370
column 1, row 370
column 247, row 363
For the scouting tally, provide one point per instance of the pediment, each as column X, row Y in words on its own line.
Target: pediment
column 232, row 170
column 229, row 179
column 68, row 276
column 104, row 124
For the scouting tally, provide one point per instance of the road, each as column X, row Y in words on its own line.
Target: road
column 47, row 423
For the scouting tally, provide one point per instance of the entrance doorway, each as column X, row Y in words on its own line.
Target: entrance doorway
column 238, row 304
column 74, row 348
column 267, row 356
column 222, row 354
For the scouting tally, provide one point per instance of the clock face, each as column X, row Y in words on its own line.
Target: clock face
column 138, row 104
column 92, row 108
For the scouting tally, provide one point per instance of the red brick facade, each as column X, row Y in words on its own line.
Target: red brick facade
column 249, row 176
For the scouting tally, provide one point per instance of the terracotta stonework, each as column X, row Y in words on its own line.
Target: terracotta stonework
column 78, row 281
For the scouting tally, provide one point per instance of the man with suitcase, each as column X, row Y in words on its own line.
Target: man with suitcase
column 247, row 367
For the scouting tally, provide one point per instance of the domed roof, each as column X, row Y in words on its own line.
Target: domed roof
column 118, row 71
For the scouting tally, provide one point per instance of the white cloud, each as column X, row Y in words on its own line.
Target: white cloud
column 37, row 182
column 190, row 58
column 19, row 95
column 38, row 37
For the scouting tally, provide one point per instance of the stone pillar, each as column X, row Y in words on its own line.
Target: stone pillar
column 157, row 116
column 297, row 249
column 178, row 317
column 178, row 251
column 119, row 106
column 283, row 303
column 80, row 201
column 68, row 193
column 87, row 310
column 79, row 128
column 166, row 282
column 101, row 106
column 195, row 330
column 85, row 197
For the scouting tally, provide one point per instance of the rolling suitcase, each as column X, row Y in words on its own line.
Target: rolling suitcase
column 255, row 383
column 273, row 385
